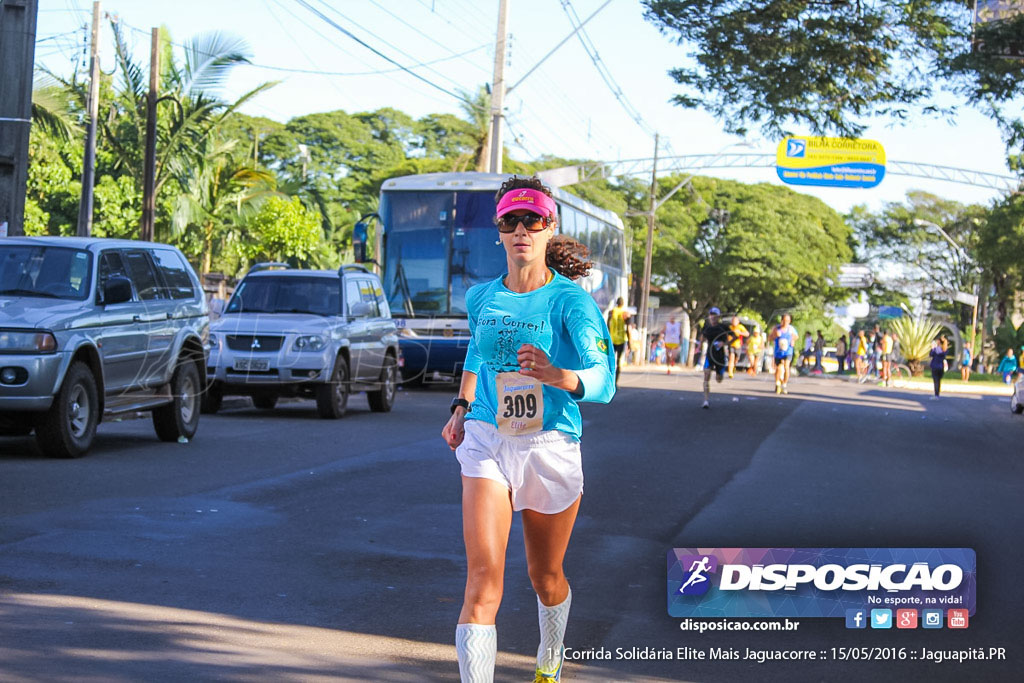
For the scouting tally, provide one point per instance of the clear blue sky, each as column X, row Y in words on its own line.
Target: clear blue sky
column 565, row 108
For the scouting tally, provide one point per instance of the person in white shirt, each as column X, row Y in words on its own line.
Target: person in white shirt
column 673, row 340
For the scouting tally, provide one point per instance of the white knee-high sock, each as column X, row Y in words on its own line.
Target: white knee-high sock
column 476, row 646
column 552, row 631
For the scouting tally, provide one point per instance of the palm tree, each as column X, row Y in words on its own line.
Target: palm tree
column 53, row 109
column 217, row 193
column 477, row 109
column 915, row 335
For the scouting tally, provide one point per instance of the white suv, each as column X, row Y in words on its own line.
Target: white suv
column 92, row 326
column 315, row 333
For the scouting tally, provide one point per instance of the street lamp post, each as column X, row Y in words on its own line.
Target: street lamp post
column 920, row 222
column 655, row 204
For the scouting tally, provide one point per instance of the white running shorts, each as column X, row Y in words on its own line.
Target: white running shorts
column 543, row 471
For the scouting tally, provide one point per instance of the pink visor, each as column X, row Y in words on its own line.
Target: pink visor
column 531, row 200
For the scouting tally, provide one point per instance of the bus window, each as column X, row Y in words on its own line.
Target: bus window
column 568, row 221
column 416, row 251
column 475, row 257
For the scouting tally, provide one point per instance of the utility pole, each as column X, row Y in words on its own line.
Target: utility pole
column 646, row 291
column 93, row 105
column 498, row 86
column 146, row 228
column 17, row 55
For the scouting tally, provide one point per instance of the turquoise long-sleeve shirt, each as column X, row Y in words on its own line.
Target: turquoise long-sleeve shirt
column 559, row 318
column 1007, row 364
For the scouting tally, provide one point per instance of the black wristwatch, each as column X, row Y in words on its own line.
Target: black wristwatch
column 459, row 403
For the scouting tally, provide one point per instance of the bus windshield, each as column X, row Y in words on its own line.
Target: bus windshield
column 437, row 244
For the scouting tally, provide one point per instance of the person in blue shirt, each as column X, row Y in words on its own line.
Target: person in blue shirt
column 538, row 346
column 965, row 362
column 1007, row 366
column 785, row 336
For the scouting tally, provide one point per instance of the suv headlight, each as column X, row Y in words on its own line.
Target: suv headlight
column 27, row 342
column 309, row 342
column 214, row 341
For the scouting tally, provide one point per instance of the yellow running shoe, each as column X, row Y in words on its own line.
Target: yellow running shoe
column 556, row 675
column 778, row 387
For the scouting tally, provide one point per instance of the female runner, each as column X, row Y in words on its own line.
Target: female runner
column 538, row 345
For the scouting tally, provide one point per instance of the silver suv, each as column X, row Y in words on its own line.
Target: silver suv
column 91, row 326
column 315, row 333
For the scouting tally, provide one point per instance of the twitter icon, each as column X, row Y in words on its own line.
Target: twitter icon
column 881, row 618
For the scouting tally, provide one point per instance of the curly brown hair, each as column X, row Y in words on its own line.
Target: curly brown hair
column 565, row 255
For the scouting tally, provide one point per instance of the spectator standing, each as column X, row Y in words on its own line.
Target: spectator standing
column 965, row 362
column 808, row 349
column 860, row 353
column 841, row 353
column 937, row 364
column 617, row 318
column 1007, row 366
column 819, row 352
column 634, row 344
column 658, row 350
column 886, row 357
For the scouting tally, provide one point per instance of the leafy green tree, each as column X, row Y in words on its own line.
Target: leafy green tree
column 282, row 229
column 826, row 66
column 216, row 194
column 1000, row 245
column 905, row 240
column 739, row 246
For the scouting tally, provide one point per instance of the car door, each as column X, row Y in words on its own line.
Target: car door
column 358, row 329
column 179, row 302
column 153, row 314
column 122, row 341
column 373, row 356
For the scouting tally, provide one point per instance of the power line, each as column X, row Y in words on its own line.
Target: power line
column 606, row 75
column 428, row 37
column 378, row 72
column 383, row 56
column 383, row 40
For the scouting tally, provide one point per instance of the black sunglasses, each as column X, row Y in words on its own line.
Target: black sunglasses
column 509, row 223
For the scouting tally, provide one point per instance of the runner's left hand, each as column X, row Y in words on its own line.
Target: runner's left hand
column 535, row 363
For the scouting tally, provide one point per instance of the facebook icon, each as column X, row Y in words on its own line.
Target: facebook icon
column 856, row 618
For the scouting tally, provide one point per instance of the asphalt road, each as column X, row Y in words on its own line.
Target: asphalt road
column 278, row 546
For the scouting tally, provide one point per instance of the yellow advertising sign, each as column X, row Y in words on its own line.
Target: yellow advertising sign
column 830, row 162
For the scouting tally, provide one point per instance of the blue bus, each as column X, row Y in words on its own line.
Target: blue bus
column 436, row 239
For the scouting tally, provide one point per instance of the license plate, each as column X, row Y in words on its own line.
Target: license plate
column 250, row 364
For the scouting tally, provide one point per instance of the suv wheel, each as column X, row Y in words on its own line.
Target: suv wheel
column 212, row 400
column 180, row 417
column 332, row 398
column 264, row 401
column 383, row 399
column 67, row 429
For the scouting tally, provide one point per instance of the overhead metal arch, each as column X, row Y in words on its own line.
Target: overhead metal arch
column 693, row 163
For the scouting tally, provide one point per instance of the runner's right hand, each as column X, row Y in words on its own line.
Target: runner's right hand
column 455, row 430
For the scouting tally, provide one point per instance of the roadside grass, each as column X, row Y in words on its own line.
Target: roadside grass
column 952, row 378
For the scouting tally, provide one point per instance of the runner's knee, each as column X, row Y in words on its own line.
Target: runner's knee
column 547, row 582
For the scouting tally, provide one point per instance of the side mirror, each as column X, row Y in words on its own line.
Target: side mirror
column 360, row 309
column 117, row 290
